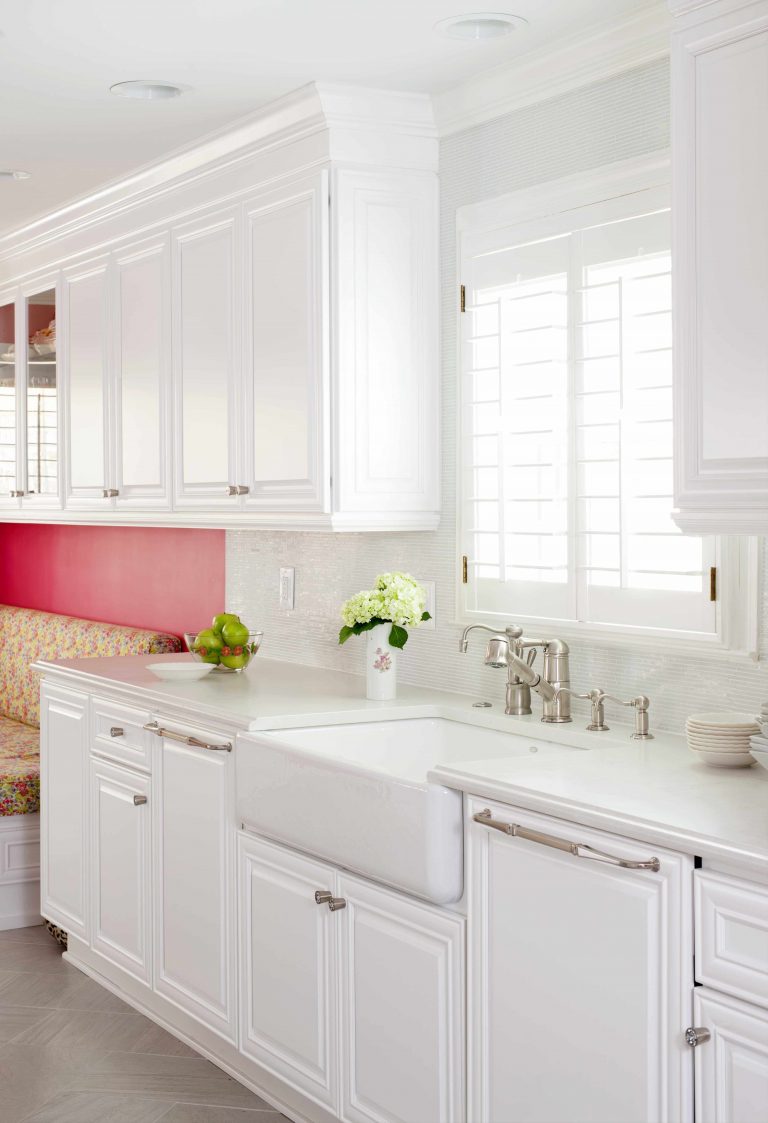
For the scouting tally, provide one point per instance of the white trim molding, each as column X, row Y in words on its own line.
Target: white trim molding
column 554, row 70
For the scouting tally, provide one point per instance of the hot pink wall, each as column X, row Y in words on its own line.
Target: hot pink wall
column 147, row 577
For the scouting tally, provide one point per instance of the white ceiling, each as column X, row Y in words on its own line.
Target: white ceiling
column 58, row 59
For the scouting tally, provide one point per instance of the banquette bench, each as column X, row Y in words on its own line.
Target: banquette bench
column 27, row 635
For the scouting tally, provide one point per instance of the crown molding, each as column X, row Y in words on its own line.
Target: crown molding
column 550, row 72
column 350, row 112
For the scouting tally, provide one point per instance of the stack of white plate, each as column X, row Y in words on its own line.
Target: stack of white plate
column 758, row 743
column 721, row 738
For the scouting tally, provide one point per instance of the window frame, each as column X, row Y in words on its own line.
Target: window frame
column 737, row 558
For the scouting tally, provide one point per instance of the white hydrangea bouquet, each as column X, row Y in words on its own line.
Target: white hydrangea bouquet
column 396, row 602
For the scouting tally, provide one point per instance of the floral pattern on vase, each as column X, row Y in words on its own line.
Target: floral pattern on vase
column 381, row 665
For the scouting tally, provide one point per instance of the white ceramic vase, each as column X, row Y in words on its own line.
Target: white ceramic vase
column 380, row 665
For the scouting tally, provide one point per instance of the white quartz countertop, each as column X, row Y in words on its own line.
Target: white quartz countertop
column 655, row 791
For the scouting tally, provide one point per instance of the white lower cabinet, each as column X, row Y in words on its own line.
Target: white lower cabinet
column 288, row 968
column 120, row 875
column 63, row 808
column 402, row 987
column 732, row 1066
column 580, row 975
column 194, row 862
column 359, row 1007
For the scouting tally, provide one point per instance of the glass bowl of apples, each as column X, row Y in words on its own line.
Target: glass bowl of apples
column 229, row 644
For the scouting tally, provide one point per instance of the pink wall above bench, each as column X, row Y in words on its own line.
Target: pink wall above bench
column 148, row 577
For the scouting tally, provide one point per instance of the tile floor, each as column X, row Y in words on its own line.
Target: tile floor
column 71, row 1052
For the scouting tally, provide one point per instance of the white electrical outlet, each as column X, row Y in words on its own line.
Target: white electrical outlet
column 287, row 588
column 429, row 589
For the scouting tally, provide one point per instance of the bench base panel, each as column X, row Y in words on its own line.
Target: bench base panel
column 19, row 871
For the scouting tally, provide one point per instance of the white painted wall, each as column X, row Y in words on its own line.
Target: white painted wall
column 616, row 119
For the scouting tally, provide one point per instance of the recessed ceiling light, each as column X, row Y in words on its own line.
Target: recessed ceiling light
column 480, row 25
column 15, row 175
column 145, row 90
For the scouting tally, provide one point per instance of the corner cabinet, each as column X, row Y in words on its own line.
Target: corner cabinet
column 580, row 974
column 249, row 333
column 720, row 226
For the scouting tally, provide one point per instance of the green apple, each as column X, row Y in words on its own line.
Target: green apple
column 208, row 646
column 234, row 633
column 222, row 619
column 235, row 662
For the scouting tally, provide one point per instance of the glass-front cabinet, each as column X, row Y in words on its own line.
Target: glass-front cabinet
column 8, row 400
column 29, row 397
column 41, row 400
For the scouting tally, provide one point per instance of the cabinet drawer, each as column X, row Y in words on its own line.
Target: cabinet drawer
column 118, row 733
column 732, row 936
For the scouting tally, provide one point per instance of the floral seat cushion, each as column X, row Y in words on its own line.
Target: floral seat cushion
column 19, row 768
column 27, row 635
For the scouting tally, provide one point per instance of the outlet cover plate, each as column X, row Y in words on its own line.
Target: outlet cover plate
column 287, row 588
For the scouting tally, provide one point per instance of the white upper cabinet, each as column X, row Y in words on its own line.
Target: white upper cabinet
column 206, row 344
column 385, row 309
column 720, row 216
column 286, row 378
column 250, row 331
column 86, row 312
column 142, row 374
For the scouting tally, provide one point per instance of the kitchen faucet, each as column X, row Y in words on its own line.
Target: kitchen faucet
column 506, row 649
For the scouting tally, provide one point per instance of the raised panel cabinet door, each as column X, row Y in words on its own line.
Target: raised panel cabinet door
column 402, row 1016
column 385, row 364
column 63, row 809
column 287, row 348
column 142, row 374
column 580, row 976
column 120, row 867
column 732, row 1066
column 288, row 968
column 720, row 216
column 194, row 863
column 87, row 405
column 206, row 357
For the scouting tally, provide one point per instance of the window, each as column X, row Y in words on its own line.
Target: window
column 566, row 416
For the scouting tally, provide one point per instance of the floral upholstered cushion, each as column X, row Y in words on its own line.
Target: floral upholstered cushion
column 19, row 768
column 27, row 635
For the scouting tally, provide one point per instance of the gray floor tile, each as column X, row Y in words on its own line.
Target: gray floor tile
column 67, row 989
column 193, row 1080
column 202, row 1113
column 103, row 1033
column 38, row 934
column 99, row 1107
column 31, row 955
column 17, row 1019
column 29, row 1078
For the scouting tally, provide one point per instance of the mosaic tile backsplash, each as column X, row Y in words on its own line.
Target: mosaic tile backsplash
column 617, row 119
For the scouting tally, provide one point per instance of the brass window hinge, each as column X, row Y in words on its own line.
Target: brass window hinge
column 462, row 299
column 713, row 582
column 464, row 569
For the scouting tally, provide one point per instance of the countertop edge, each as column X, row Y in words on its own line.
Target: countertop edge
column 618, row 822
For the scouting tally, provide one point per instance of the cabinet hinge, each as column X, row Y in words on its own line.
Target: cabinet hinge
column 464, row 569
column 713, row 582
column 462, row 299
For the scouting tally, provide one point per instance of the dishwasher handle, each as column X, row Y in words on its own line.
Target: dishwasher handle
column 578, row 849
column 195, row 742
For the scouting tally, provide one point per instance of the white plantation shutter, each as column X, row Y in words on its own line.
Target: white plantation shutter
column 566, row 389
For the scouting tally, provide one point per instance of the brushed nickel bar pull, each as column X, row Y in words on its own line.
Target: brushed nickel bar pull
column 578, row 849
column 116, row 731
column 159, row 731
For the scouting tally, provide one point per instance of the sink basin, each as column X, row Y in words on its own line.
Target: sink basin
column 357, row 795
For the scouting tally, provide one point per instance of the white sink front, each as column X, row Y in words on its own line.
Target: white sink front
column 357, row 795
